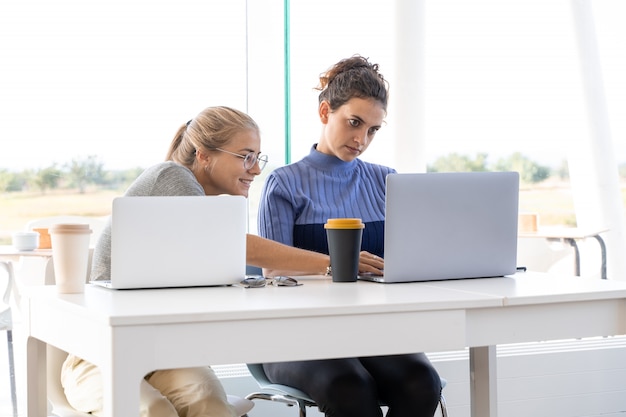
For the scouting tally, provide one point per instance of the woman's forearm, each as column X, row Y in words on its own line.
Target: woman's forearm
column 278, row 259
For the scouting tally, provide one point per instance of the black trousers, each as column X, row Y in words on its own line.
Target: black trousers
column 408, row 384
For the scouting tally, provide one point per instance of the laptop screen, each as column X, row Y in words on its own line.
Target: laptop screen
column 178, row 241
column 451, row 225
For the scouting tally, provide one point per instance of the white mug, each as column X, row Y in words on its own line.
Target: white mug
column 25, row 240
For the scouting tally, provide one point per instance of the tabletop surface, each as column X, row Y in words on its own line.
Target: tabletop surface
column 9, row 250
column 538, row 288
column 320, row 296
column 558, row 232
column 317, row 296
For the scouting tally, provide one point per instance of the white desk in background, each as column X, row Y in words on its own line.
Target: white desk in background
column 34, row 267
column 8, row 251
column 571, row 235
column 130, row 333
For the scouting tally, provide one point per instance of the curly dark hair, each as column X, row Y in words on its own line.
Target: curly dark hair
column 352, row 77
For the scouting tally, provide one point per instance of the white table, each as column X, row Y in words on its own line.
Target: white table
column 129, row 333
column 536, row 307
column 9, row 251
column 571, row 235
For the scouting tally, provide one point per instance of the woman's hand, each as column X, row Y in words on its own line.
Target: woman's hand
column 371, row 263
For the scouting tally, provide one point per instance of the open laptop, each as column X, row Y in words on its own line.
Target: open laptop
column 441, row 226
column 164, row 242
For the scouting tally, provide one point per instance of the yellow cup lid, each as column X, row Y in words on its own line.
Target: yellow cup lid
column 344, row 223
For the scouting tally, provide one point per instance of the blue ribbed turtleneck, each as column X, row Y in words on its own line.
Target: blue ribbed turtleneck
column 297, row 200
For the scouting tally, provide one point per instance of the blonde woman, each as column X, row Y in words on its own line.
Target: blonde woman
column 217, row 152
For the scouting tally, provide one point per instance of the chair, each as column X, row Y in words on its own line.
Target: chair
column 544, row 255
column 6, row 323
column 293, row 396
column 60, row 406
column 96, row 224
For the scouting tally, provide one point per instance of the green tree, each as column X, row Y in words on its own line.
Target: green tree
column 12, row 181
column 455, row 162
column 121, row 179
column 82, row 172
column 5, row 180
column 530, row 172
column 46, row 178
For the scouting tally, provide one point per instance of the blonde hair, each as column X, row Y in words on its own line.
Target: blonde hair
column 212, row 128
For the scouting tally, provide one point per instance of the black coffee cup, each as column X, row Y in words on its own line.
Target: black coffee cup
column 344, row 245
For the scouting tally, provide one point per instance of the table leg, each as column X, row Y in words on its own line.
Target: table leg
column 121, row 395
column 573, row 243
column 483, row 381
column 603, row 251
column 124, row 366
column 36, row 390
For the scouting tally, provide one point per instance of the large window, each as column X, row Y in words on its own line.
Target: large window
column 500, row 78
column 113, row 78
column 116, row 78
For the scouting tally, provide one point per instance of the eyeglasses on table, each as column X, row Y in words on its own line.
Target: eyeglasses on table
column 259, row 281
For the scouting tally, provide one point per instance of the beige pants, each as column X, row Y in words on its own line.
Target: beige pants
column 188, row 392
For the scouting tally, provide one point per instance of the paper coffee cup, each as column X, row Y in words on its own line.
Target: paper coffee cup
column 70, row 256
column 344, row 246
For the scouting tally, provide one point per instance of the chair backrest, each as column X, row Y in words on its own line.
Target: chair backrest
column 95, row 223
column 539, row 254
column 258, row 373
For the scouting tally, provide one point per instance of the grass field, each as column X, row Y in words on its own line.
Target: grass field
column 18, row 208
column 552, row 202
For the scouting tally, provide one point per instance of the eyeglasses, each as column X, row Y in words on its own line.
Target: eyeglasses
column 250, row 159
column 259, row 281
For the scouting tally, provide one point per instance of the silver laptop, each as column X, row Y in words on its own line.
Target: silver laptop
column 164, row 242
column 441, row 226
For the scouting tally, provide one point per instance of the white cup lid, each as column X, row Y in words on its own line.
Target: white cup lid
column 75, row 228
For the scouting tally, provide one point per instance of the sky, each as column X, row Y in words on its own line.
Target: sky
column 116, row 80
